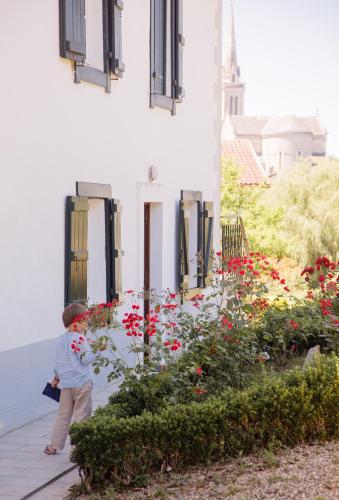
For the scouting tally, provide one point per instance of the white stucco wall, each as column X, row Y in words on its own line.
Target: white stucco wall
column 54, row 133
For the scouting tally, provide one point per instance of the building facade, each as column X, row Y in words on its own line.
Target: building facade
column 107, row 174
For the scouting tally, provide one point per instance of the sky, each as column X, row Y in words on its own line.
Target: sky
column 288, row 53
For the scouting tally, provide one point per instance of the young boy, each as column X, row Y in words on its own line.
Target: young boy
column 72, row 374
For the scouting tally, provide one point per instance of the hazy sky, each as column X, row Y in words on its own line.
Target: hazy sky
column 288, row 52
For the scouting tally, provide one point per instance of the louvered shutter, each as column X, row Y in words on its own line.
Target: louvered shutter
column 115, row 53
column 72, row 29
column 76, row 254
column 208, row 239
column 184, row 224
column 179, row 42
column 113, row 211
column 159, row 46
column 117, row 207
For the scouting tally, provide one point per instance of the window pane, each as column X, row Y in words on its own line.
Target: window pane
column 160, row 45
column 168, row 70
column 94, row 34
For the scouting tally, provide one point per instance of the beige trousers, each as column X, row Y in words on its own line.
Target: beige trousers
column 76, row 402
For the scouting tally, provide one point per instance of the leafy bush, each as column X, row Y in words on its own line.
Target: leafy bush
column 297, row 407
column 294, row 330
column 206, row 368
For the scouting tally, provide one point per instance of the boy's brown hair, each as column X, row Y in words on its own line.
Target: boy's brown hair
column 71, row 312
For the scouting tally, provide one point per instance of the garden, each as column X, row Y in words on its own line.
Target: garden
column 219, row 373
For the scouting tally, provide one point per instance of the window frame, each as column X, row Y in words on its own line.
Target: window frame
column 87, row 73
column 191, row 197
column 170, row 97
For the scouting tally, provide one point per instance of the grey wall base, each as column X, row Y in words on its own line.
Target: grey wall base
column 23, row 375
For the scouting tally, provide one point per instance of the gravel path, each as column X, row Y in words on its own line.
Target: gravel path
column 305, row 472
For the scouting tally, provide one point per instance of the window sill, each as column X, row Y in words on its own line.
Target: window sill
column 163, row 101
column 92, row 75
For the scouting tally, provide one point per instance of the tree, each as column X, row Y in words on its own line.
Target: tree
column 261, row 222
column 309, row 196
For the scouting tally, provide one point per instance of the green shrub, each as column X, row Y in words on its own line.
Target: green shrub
column 296, row 407
column 222, row 363
column 276, row 332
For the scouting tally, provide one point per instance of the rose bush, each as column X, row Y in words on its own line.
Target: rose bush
column 205, row 342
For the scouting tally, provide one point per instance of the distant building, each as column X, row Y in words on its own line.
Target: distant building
column 278, row 141
column 242, row 153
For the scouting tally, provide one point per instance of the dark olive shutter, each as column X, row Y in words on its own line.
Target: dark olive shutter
column 159, row 46
column 76, row 253
column 72, row 29
column 117, row 247
column 179, row 42
column 117, row 66
column 113, row 249
column 184, row 224
column 208, row 218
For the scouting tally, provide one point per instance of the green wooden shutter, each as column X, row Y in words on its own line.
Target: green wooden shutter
column 113, row 211
column 208, row 222
column 184, row 224
column 117, row 207
column 178, row 46
column 117, row 66
column 76, row 252
column 72, row 29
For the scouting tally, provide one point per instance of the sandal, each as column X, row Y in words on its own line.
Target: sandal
column 50, row 450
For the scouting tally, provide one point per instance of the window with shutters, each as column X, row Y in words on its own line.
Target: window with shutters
column 90, row 36
column 196, row 223
column 190, row 240
column 167, row 42
column 77, row 254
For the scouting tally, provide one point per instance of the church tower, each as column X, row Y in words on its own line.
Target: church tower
column 233, row 89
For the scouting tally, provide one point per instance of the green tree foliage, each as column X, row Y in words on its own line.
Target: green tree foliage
column 261, row 222
column 309, row 196
column 297, row 216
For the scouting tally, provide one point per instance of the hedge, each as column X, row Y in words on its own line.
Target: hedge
column 290, row 409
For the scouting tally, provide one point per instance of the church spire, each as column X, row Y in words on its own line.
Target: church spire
column 231, row 68
column 233, row 88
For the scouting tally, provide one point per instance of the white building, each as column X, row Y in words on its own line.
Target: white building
column 278, row 141
column 109, row 151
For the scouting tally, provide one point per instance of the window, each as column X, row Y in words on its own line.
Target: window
column 196, row 221
column 236, row 105
column 90, row 36
column 167, row 44
column 231, row 105
column 77, row 252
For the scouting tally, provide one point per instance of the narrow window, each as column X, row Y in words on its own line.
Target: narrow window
column 167, row 42
column 190, row 241
column 236, row 105
column 231, row 105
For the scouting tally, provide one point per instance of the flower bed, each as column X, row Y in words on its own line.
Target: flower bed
column 297, row 407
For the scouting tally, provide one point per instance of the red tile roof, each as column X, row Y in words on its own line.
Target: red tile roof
column 244, row 156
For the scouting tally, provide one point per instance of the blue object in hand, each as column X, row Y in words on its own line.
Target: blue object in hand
column 52, row 392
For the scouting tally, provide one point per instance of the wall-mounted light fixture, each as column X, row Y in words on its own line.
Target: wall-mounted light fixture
column 152, row 173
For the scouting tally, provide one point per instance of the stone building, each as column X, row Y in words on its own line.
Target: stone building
column 278, row 141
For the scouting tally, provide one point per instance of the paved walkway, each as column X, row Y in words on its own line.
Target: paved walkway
column 25, row 469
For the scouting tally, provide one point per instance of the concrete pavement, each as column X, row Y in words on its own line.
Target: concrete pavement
column 25, row 470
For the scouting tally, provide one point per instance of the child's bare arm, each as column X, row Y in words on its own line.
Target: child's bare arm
column 55, row 381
